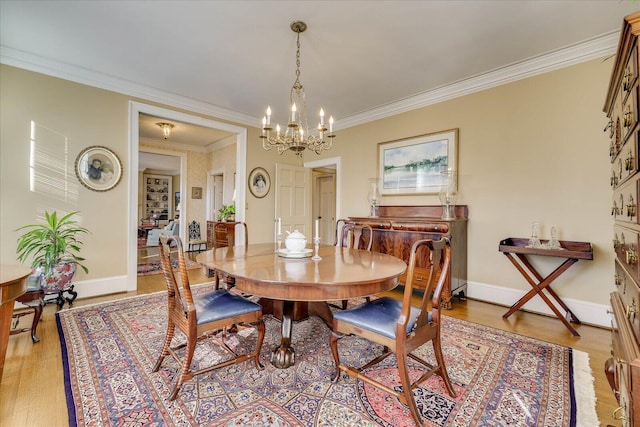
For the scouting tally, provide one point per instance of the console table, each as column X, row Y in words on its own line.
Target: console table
column 13, row 283
column 396, row 228
column 517, row 251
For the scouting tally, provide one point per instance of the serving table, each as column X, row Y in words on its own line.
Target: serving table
column 13, row 283
column 518, row 253
column 293, row 288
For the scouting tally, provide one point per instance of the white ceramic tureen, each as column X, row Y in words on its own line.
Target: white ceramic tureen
column 295, row 242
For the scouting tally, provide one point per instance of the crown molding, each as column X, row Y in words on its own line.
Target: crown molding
column 565, row 57
column 591, row 49
column 51, row 67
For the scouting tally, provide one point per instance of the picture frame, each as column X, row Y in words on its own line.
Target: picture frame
column 259, row 182
column 176, row 201
column 415, row 165
column 196, row 192
column 98, row 168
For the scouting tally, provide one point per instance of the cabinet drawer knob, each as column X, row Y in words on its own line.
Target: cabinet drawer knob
column 631, row 310
column 631, row 255
column 618, row 413
column 628, row 162
column 631, row 207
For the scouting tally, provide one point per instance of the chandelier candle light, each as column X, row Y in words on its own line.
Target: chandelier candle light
column 297, row 136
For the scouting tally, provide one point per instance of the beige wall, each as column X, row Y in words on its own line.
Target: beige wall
column 80, row 116
column 529, row 150
column 224, row 160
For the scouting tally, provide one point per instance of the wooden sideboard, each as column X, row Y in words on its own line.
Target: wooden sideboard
column 396, row 228
column 621, row 107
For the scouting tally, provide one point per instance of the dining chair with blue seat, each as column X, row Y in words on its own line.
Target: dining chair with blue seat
column 205, row 316
column 401, row 328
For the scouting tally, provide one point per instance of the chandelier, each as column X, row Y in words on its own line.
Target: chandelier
column 166, row 129
column 297, row 137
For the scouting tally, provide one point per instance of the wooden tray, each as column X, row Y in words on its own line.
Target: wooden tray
column 574, row 250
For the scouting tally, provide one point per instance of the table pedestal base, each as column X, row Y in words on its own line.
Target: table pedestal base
column 283, row 356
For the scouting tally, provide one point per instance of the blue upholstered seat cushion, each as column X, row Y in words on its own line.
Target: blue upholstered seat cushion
column 222, row 304
column 379, row 316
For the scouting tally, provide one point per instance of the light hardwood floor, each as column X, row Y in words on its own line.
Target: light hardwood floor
column 32, row 388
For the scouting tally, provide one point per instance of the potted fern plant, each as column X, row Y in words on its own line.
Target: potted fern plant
column 54, row 250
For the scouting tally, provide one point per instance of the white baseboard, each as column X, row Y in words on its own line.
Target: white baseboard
column 104, row 286
column 96, row 287
column 587, row 312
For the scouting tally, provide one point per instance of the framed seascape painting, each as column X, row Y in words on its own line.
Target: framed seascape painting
column 415, row 165
column 98, row 168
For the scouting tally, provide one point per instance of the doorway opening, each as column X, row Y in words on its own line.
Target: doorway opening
column 326, row 183
column 135, row 109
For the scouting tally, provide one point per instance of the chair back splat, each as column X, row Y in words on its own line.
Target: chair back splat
column 400, row 327
column 210, row 313
column 355, row 236
column 195, row 238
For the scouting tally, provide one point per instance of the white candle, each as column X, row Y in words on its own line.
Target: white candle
column 293, row 113
column 279, row 225
column 268, row 114
column 317, row 233
column 321, row 116
column 330, row 124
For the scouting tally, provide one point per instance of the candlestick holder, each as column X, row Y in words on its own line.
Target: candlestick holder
column 279, row 240
column 316, row 244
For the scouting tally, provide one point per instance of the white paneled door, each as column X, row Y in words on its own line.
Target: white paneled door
column 293, row 198
column 326, row 186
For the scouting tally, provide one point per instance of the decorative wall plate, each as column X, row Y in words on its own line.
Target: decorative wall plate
column 98, row 168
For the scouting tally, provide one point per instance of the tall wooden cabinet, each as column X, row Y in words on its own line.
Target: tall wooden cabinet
column 158, row 196
column 396, row 228
column 621, row 107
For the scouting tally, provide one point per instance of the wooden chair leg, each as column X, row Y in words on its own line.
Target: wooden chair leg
column 185, row 372
column 171, row 327
column 437, row 350
column 333, row 343
column 407, row 391
column 261, row 331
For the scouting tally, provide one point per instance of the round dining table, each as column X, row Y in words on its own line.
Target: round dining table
column 294, row 286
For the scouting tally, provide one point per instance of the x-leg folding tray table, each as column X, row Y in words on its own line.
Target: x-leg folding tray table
column 518, row 253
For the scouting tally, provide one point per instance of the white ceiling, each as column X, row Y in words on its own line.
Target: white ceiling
column 360, row 60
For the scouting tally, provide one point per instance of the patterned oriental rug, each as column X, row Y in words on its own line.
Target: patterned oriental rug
column 501, row 379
